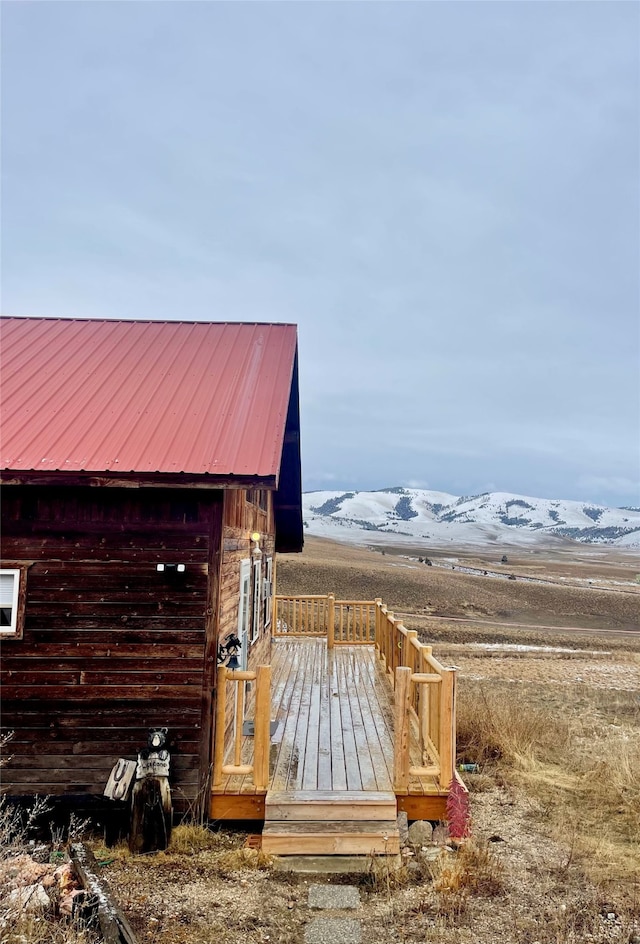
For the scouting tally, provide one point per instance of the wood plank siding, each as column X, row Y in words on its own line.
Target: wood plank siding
column 111, row 647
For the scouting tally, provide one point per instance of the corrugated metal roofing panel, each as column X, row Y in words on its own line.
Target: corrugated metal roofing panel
column 144, row 396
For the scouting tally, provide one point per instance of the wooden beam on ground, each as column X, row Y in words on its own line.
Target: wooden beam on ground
column 114, row 926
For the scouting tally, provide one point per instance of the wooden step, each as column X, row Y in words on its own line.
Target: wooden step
column 331, row 838
column 325, row 805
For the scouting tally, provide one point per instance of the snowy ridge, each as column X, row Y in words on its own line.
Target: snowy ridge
column 408, row 514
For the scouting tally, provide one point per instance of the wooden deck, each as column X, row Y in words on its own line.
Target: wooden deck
column 334, row 740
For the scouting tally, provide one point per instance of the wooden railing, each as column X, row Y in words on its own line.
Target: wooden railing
column 235, row 681
column 424, row 689
column 425, row 723
column 301, row 616
column 343, row 622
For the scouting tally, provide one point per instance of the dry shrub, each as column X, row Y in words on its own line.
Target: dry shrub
column 609, row 810
column 190, row 839
column 386, row 873
column 43, row 929
column 584, row 772
column 473, row 869
column 244, row 858
column 613, row 778
column 493, row 725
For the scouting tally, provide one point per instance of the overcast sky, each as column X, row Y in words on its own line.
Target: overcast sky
column 443, row 196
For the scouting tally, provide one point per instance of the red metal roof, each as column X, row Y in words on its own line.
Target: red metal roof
column 144, row 396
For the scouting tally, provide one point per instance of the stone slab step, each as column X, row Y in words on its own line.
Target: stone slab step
column 334, row 897
column 333, row 931
column 331, row 838
column 319, row 865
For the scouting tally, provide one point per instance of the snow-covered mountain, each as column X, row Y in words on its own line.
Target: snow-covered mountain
column 400, row 515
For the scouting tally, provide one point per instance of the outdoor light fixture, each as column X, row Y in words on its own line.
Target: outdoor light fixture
column 255, row 544
column 228, row 650
column 167, row 568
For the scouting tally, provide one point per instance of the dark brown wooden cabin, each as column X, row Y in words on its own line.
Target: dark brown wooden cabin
column 127, row 446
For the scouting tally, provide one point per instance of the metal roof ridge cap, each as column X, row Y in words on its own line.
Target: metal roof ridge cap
column 174, row 321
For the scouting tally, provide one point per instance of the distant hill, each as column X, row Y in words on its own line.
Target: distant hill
column 399, row 515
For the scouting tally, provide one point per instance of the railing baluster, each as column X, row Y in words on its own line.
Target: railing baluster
column 239, row 718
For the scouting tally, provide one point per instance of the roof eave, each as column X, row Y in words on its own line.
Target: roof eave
column 107, row 478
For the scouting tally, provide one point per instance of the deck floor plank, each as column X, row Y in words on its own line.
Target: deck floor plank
column 310, row 772
column 377, row 764
column 323, row 781
column 285, row 758
column 338, row 765
column 379, row 694
column 360, row 772
column 305, row 688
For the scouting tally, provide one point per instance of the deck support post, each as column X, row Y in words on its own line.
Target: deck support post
column 262, row 727
column 401, row 730
column 447, row 731
column 331, row 621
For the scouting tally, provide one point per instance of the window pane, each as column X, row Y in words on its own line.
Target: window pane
column 7, row 582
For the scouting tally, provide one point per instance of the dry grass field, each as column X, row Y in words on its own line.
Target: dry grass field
column 549, row 710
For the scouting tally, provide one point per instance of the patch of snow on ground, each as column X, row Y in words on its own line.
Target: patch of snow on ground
column 519, row 647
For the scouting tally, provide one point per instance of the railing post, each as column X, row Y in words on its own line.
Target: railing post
column 218, row 736
column 262, row 727
column 331, row 621
column 378, row 626
column 401, row 730
column 447, row 731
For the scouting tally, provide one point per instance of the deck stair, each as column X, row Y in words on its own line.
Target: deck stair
column 331, row 822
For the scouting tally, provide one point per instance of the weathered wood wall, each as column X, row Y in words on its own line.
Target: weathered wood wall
column 110, row 646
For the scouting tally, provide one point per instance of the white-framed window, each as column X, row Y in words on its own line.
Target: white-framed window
column 268, row 591
column 12, row 592
column 244, row 611
column 257, row 598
